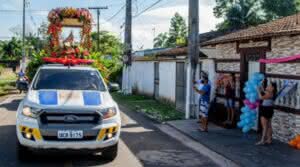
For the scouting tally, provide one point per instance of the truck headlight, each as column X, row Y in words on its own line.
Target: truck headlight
column 108, row 112
column 29, row 112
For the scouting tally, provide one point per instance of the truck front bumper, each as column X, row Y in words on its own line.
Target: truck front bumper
column 29, row 135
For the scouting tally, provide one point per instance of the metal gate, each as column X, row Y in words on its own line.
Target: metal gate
column 156, row 80
column 180, row 86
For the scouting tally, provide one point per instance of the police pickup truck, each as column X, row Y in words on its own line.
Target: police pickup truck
column 68, row 108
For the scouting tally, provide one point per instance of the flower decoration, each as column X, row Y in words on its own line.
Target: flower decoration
column 56, row 18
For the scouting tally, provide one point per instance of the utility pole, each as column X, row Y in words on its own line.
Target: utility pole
column 126, row 84
column 193, row 53
column 23, row 62
column 98, row 9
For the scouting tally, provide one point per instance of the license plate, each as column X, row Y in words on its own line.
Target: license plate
column 70, row 134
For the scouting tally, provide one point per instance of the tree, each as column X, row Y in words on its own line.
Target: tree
column 238, row 14
column 279, row 8
column 12, row 50
column 178, row 30
column 110, row 45
column 161, row 40
column 177, row 34
column 109, row 58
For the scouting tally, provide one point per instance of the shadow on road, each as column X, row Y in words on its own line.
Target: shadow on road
column 154, row 148
column 8, row 154
column 12, row 106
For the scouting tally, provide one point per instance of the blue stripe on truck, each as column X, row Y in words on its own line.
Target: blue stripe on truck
column 91, row 98
column 48, row 97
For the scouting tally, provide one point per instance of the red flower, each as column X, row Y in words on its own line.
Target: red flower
column 86, row 53
column 77, row 50
column 53, row 54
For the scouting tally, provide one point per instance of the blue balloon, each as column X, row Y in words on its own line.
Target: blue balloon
column 248, row 120
column 240, row 125
column 252, row 99
column 244, row 109
column 246, row 129
column 243, row 116
column 261, row 77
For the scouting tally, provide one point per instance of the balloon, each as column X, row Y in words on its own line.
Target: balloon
column 261, row 77
column 252, row 106
column 248, row 120
column 246, row 102
column 243, row 116
column 252, row 100
column 246, row 129
column 244, row 109
column 240, row 125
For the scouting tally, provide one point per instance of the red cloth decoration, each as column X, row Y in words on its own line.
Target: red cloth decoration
column 280, row 60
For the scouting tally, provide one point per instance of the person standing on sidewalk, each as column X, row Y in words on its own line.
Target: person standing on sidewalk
column 229, row 102
column 204, row 103
column 266, row 112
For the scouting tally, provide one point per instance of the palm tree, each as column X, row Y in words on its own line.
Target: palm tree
column 241, row 14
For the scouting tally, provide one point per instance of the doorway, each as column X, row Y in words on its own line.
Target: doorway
column 156, row 80
column 180, row 86
column 249, row 66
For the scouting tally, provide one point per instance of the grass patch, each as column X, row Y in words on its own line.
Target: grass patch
column 7, row 82
column 152, row 108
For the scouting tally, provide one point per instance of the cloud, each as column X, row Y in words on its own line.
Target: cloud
column 159, row 19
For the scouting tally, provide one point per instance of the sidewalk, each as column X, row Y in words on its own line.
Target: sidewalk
column 233, row 145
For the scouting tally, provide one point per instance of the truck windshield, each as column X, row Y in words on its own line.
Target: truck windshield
column 68, row 80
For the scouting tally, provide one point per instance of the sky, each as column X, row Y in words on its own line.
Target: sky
column 145, row 27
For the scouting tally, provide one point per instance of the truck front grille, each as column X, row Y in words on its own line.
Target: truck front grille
column 70, row 118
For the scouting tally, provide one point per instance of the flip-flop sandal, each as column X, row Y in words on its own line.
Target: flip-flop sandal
column 202, row 130
column 260, row 143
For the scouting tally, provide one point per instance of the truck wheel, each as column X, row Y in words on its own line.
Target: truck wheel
column 22, row 152
column 110, row 153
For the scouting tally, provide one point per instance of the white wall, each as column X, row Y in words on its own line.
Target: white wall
column 142, row 77
column 167, row 78
column 208, row 66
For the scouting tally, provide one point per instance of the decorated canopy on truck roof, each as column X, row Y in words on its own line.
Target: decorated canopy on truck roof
column 68, row 52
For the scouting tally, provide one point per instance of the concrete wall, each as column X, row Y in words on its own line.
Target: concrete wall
column 142, row 77
column 167, row 81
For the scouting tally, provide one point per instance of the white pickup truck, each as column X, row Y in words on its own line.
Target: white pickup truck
column 68, row 108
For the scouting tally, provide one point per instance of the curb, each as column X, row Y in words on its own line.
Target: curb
column 142, row 114
column 194, row 144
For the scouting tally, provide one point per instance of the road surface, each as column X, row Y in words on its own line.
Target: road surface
column 142, row 144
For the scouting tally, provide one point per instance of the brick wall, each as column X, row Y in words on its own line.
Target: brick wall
column 228, row 51
column 282, row 47
column 285, row 126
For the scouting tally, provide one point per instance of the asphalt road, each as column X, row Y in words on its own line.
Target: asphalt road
column 142, row 144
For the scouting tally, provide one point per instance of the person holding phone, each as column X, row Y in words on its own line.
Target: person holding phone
column 204, row 100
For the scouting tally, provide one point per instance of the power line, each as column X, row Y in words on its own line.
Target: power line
column 117, row 13
column 146, row 9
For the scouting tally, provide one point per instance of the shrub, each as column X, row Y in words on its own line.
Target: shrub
column 35, row 62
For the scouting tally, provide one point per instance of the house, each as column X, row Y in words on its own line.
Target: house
column 161, row 74
column 240, row 52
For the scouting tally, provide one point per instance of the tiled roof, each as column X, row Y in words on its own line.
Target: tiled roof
column 284, row 26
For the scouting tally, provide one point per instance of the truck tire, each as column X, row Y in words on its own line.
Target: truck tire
column 110, row 153
column 22, row 152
